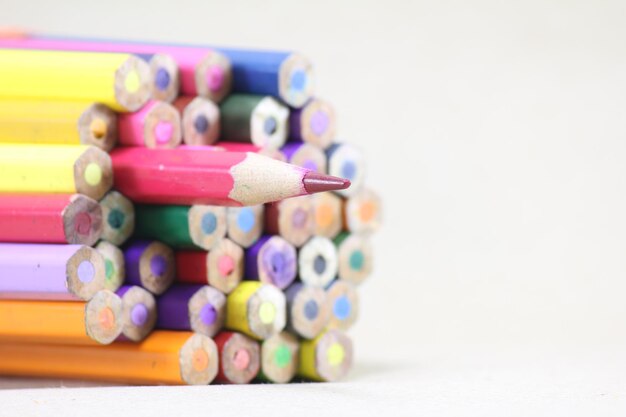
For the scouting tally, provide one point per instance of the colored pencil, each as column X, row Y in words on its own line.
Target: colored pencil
column 50, row 218
column 355, row 256
column 344, row 301
column 308, row 310
column 244, row 225
column 315, row 123
column 164, row 357
column 347, row 162
column 61, row 322
column 139, row 313
column 114, row 267
column 181, row 227
column 286, row 75
column 119, row 81
column 248, row 147
column 318, row 262
column 69, row 169
column 149, row 264
column 328, row 357
column 279, row 358
column 118, row 215
column 164, row 79
column 272, row 260
column 240, row 358
column 50, row 272
column 57, row 122
column 363, row 212
column 222, row 267
column 259, row 120
column 292, row 219
column 200, row 120
column 256, row 309
column 190, row 176
column 305, row 155
column 155, row 125
column 199, row 308
column 327, row 214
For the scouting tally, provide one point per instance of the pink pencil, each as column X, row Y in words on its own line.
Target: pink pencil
column 202, row 71
column 156, row 125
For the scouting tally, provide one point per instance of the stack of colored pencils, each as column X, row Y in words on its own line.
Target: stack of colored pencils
column 175, row 215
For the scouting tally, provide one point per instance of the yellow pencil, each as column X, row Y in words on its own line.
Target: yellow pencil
column 63, row 122
column 120, row 81
column 55, row 169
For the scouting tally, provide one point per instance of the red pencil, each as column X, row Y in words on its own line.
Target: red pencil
column 195, row 176
column 50, row 218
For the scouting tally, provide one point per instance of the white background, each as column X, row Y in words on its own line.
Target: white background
column 495, row 132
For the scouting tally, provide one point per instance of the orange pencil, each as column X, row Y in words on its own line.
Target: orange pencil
column 164, row 357
column 62, row 322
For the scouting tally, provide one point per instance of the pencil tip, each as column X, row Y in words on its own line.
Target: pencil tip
column 316, row 183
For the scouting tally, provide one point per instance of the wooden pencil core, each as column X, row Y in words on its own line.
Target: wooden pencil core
column 138, row 313
column 207, row 311
column 296, row 82
column 199, row 360
column 207, row 225
column 309, row 157
column 162, row 127
column 93, row 173
column 225, row 266
column 201, row 122
column 114, row 268
column 269, row 124
column 98, row 126
column 157, row 268
column 331, row 356
column 363, row 212
column 317, row 262
column 118, row 214
column 292, row 219
column 327, row 214
column 355, row 257
column 214, row 76
column 309, row 310
column 344, row 304
column 165, row 77
column 318, row 123
column 133, row 83
column 240, row 358
column 82, row 220
column 266, row 311
column 279, row 357
column 245, row 224
column 85, row 273
column 103, row 315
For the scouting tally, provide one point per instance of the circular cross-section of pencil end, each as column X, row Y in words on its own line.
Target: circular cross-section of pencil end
column 355, row 257
column 214, row 76
column 328, row 357
column 199, row 360
column 207, row 311
column 114, row 266
column 103, row 317
column 82, row 220
column 344, row 305
column 225, row 266
column 118, row 214
column 267, row 312
column 93, row 173
column 162, row 126
column 97, row 126
column 85, row 271
column 308, row 310
column 296, row 80
column 318, row 123
column 139, row 313
column 133, row 84
column 201, row 122
column 157, row 268
column 279, row 357
column 240, row 358
column 269, row 125
column 207, row 225
column 314, row 182
column 165, row 77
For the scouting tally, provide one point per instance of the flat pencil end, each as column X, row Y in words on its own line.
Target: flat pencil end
column 316, row 183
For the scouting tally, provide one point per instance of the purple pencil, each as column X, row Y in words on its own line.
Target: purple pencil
column 199, row 308
column 272, row 260
column 139, row 313
column 149, row 264
column 50, row 272
column 314, row 123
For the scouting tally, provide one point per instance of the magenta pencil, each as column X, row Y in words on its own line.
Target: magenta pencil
column 50, row 272
column 156, row 125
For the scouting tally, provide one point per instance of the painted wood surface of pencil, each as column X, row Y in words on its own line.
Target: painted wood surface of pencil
column 165, row 82
column 193, row 176
column 62, row 122
column 52, row 272
column 61, row 322
column 50, row 218
column 164, row 357
column 54, row 169
column 120, row 81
